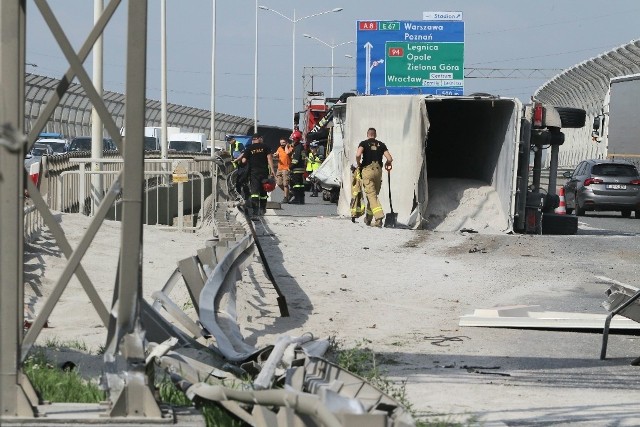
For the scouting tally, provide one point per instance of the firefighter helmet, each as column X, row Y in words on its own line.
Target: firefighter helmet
column 268, row 184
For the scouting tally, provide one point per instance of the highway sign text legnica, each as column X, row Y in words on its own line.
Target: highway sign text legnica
column 402, row 57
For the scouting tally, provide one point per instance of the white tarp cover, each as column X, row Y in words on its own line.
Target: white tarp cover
column 330, row 171
column 404, row 133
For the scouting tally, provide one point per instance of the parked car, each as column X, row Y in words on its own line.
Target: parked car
column 603, row 185
column 83, row 143
column 58, row 145
column 35, row 155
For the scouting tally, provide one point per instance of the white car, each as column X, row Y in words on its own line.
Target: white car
column 58, row 146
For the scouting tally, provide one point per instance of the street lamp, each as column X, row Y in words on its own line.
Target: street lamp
column 332, row 46
column 294, row 20
column 255, row 77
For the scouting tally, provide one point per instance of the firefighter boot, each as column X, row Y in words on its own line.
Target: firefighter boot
column 298, row 196
column 255, row 209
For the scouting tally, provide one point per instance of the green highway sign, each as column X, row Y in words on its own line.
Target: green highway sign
column 410, row 64
column 407, row 57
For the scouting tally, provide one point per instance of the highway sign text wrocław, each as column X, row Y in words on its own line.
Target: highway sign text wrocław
column 401, row 57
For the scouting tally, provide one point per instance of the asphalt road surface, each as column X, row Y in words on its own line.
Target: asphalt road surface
column 608, row 224
column 507, row 376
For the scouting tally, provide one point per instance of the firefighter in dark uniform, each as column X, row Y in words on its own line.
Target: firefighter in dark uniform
column 259, row 159
column 298, row 168
column 369, row 159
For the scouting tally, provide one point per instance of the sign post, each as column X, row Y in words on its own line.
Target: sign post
column 408, row 57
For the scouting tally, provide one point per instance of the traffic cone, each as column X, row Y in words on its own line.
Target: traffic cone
column 562, row 207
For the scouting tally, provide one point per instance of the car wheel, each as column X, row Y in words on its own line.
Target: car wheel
column 579, row 210
column 569, row 210
column 638, row 214
column 626, row 213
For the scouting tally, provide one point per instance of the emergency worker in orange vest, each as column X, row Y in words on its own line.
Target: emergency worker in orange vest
column 284, row 163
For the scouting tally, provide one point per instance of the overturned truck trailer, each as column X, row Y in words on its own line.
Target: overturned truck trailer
column 455, row 158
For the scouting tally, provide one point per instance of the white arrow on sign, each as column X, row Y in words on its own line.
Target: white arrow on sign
column 367, row 60
column 370, row 65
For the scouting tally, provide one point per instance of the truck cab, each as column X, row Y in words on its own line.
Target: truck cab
column 541, row 129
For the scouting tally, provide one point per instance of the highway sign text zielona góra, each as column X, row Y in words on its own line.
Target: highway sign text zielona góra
column 399, row 57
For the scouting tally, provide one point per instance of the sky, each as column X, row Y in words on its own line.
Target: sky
column 499, row 34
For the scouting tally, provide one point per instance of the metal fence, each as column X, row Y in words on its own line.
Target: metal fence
column 79, row 186
column 32, row 222
column 72, row 117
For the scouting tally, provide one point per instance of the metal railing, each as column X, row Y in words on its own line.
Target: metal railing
column 166, row 203
column 32, row 222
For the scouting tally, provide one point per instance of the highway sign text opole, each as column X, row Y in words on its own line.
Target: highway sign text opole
column 424, row 64
column 399, row 57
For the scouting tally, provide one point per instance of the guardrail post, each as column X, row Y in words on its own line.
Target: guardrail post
column 81, row 188
column 180, row 206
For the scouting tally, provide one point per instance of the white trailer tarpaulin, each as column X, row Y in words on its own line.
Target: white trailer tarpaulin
column 455, row 158
column 404, row 132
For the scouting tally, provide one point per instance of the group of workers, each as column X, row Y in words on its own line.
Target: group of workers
column 295, row 161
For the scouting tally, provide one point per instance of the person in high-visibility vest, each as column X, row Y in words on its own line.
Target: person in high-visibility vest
column 313, row 163
column 284, row 163
column 235, row 148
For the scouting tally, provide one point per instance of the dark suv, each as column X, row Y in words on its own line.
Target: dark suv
column 83, row 143
column 603, row 185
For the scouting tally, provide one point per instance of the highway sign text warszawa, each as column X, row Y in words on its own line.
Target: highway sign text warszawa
column 403, row 57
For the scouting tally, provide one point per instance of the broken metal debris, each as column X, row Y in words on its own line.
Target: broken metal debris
column 524, row 316
column 288, row 383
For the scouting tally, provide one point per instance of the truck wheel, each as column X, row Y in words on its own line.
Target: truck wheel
column 335, row 196
column 572, row 117
column 559, row 224
column 551, row 201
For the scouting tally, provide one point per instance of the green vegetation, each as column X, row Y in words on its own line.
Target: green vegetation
column 56, row 344
column 56, row 385
column 364, row 362
column 214, row 415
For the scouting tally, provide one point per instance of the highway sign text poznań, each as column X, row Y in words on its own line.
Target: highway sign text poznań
column 401, row 57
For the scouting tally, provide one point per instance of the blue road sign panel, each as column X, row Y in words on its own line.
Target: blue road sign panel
column 410, row 57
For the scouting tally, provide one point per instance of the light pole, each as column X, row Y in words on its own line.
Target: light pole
column 332, row 46
column 214, row 172
column 255, row 78
column 294, row 20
